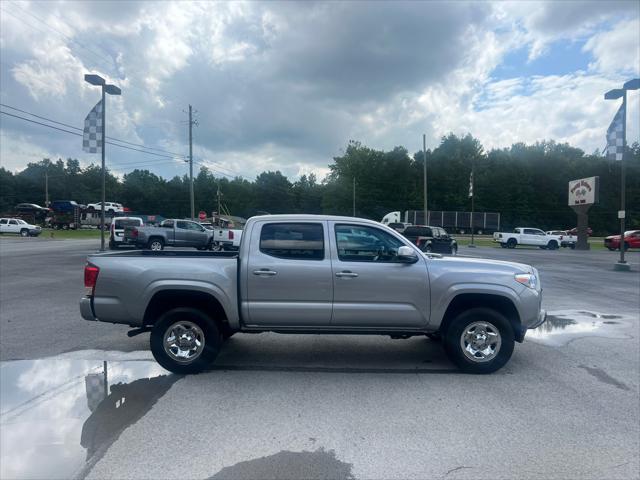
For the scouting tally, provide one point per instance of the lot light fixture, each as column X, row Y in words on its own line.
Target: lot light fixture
column 97, row 80
column 614, row 95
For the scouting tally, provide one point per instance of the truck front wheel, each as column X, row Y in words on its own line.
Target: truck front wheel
column 185, row 341
column 479, row 340
column 511, row 243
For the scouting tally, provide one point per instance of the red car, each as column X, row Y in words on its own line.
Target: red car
column 574, row 231
column 631, row 240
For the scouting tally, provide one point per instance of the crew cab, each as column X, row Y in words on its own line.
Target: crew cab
column 631, row 240
column 527, row 236
column 314, row 274
column 20, row 227
column 170, row 233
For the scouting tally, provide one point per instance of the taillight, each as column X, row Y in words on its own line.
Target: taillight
column 230, row 234
column 90, row 278
column 134, row 232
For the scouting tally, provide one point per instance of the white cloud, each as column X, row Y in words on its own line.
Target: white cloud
column 284, row 86
column 618, row 49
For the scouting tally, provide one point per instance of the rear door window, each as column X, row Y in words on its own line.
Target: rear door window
column 293, row 241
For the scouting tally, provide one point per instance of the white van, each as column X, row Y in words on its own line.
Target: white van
column 116, row 237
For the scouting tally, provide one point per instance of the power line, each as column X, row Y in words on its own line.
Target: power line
column 80, row 135
column 80, row 129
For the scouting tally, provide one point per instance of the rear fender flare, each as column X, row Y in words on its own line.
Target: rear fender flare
column 228, row 305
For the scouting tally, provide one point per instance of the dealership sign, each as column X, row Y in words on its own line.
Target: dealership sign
column 583, row 191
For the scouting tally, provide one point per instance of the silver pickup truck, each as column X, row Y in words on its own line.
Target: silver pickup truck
column 314, row 274
column 170, row 233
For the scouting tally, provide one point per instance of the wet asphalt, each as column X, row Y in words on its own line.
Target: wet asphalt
column 275, row 406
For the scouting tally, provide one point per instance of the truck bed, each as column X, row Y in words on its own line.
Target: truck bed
column 129, row 280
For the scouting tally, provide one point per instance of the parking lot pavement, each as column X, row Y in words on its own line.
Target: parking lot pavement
column 41, row 282
column 278, row 406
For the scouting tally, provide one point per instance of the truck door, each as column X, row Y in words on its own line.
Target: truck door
column 288, row 274
column 181, row 232
column 371, row 286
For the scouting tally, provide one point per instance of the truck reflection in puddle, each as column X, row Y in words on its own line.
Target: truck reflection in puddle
column 565, row 325
column 59, row 415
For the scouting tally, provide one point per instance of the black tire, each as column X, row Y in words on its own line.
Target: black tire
column 453, row 335
column 453, row 250
column 427, row 248
column 91, row 209
column 24, row 232
column 572, row 246
column 155, row 244
column 511, row 243
column 211, row 338
column 552, row 245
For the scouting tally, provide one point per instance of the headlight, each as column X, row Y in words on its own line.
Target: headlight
column 528, row 279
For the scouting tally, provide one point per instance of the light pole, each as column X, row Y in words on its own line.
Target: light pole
column 111, row 90
column 614, row 95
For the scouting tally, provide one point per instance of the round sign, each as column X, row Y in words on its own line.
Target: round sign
column 202, row 215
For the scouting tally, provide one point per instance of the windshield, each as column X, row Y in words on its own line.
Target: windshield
column 123, row 223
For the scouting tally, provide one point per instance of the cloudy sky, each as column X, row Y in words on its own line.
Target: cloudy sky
column 285, row 86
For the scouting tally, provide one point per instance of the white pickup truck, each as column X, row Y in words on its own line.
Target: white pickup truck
column 566, row 239
column 528, row 236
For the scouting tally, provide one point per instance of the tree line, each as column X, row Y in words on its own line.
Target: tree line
column 526, row 184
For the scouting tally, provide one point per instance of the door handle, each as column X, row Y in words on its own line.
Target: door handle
column 265, row 271
column 346, row 274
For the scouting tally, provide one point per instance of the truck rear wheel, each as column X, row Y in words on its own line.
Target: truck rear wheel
column 552, row 245
column 479, row 340
column 185, row 341
column 155, row 244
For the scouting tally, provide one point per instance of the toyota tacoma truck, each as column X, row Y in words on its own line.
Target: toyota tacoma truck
column 314, row 274
column 527, row 236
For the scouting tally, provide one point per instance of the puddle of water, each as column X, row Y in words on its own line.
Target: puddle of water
column 57, row 413
column 565, row 325
column 318, row 465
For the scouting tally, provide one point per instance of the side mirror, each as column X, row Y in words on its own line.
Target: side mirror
column 407, row 255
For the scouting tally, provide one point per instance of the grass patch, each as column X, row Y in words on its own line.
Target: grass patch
column 81, row 234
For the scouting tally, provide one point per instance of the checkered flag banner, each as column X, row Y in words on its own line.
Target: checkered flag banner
column 615, row 137
column 92, row 133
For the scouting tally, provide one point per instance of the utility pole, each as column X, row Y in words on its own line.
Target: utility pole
column 191, row 199
column 354, row 195
column 472, row 192
column 424, row 161
column 46, row 189
column 219, row 212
